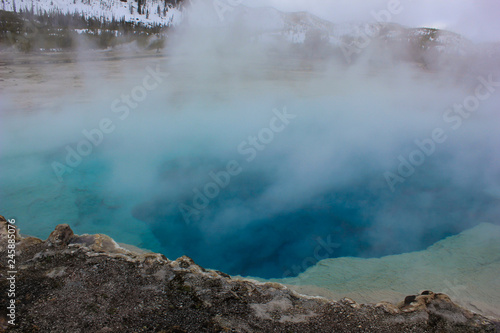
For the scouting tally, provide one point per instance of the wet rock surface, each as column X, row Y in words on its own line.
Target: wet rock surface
column 88, row 283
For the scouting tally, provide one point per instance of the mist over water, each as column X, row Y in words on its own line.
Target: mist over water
column 321, row 177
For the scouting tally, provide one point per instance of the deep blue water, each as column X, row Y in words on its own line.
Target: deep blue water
column 274, row 244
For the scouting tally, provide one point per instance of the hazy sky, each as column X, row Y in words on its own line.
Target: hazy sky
column 476, row 19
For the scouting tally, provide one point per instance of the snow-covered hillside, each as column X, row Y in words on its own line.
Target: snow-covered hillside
column 265, row 24
column 269, row 24
column 159, row 12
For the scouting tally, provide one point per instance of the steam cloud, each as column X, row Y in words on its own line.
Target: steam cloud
column 321, row 176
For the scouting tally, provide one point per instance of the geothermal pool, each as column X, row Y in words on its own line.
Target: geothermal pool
column 258, row 171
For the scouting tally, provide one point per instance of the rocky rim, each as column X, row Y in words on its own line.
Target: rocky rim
column 88, row 283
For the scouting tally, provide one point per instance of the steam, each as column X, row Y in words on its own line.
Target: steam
column 321, row 175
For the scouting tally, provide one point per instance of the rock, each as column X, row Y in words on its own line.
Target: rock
column 60, row 236
column 89, row 283
column 439, row 307
column 350, row 302
column 388, row 307
column 4, row 232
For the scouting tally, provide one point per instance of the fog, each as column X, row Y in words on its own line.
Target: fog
column 245, row 155
column 475, row 19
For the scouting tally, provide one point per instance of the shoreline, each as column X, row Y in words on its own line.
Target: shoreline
column 91, row 283
column 106, row 245
column 367, row 286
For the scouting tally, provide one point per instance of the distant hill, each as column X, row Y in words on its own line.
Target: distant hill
column 41, row 25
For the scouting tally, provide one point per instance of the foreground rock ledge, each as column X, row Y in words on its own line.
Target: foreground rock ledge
column 89, row 283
